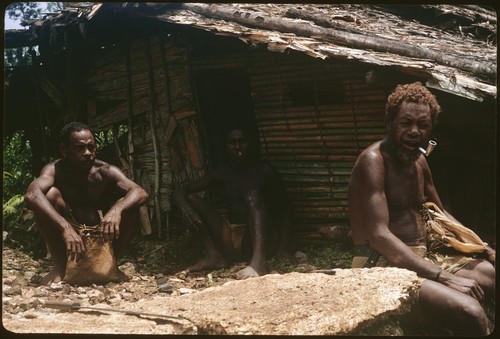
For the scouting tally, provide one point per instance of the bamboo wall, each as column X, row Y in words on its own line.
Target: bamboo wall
column 314, row 147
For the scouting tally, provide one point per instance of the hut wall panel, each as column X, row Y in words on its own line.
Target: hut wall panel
column 107, row 80
column 314, row 147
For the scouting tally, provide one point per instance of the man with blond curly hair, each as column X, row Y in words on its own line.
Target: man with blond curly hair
column 390, row 182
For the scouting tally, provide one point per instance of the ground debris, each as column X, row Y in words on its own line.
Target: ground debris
column 200, row 298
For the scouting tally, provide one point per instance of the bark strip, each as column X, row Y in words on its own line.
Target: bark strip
column 342, row 38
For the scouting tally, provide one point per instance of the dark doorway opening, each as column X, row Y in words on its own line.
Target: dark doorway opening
column 224, row 101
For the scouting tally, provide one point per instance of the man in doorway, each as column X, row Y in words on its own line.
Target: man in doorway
column 257, row 225
column 72, row 190
column 389, row 184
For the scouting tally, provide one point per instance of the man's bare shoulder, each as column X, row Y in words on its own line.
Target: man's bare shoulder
column 370, row 154
column 107, row 171
column 102, row 166
column 50, row 168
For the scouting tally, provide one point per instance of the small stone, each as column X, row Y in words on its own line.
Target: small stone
column 184, row 290
column 56, row 286
column 16, row 290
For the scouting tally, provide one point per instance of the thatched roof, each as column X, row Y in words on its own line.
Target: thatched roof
column 453, row 47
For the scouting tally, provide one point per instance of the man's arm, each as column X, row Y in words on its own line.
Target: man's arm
column 134, row 196
column 180, row 197
column 371, row 204
column 373, row 212
column 36, row 200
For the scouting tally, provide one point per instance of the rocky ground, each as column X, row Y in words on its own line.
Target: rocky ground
column 157, row 284
column 206, row 303
column 155, row 270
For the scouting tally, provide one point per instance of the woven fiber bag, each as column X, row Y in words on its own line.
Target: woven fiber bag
column 97, row 265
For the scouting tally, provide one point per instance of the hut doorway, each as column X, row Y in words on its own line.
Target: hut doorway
column 224, row 100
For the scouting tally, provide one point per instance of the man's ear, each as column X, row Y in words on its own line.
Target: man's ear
column 63, row 149
column 388, row 124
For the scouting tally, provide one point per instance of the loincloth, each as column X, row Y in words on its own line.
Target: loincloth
column 83, row 229
column 449, row 262
column 234, row 234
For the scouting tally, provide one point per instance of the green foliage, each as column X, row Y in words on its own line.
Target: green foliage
column 17, row 176
column 24, row 10
column 16, row 165
column 21, row 56
column 12, row 206
column 105, row 139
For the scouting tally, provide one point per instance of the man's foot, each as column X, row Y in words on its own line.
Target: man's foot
column 53, row 276
column 212, row 262
column 247, row 272
column 120, row 277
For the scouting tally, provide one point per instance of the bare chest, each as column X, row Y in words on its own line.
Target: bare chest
column 83, row 192
column 404, row 187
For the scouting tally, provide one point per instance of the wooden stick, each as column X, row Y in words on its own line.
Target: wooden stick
column 156, row 150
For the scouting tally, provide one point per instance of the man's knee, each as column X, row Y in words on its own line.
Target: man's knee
column 195, row 200
column 54, row 196
column 475, row 315
column 255, row 199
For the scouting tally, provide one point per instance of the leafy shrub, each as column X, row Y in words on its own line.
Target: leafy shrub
column 20, row 232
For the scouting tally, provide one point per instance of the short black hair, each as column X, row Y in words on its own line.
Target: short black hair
column 74, row 126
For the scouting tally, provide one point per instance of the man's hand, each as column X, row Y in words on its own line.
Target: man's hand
column 74, row 243
column 464, row 285
column 191, row 219
column 490, row 255
column 109, row 227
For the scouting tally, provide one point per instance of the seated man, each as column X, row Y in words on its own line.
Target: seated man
column 258, row 222
column 389, row 184
column 73, row 190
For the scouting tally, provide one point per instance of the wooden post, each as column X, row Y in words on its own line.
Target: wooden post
column 156, row 148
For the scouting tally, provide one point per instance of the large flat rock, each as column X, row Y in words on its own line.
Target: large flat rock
column 342, row 302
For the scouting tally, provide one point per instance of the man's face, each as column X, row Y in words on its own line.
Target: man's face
column 410, row 129
column 237, row 146
column 81, row 150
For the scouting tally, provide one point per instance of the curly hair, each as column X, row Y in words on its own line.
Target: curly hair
column 74, row 126
column 414, row 92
